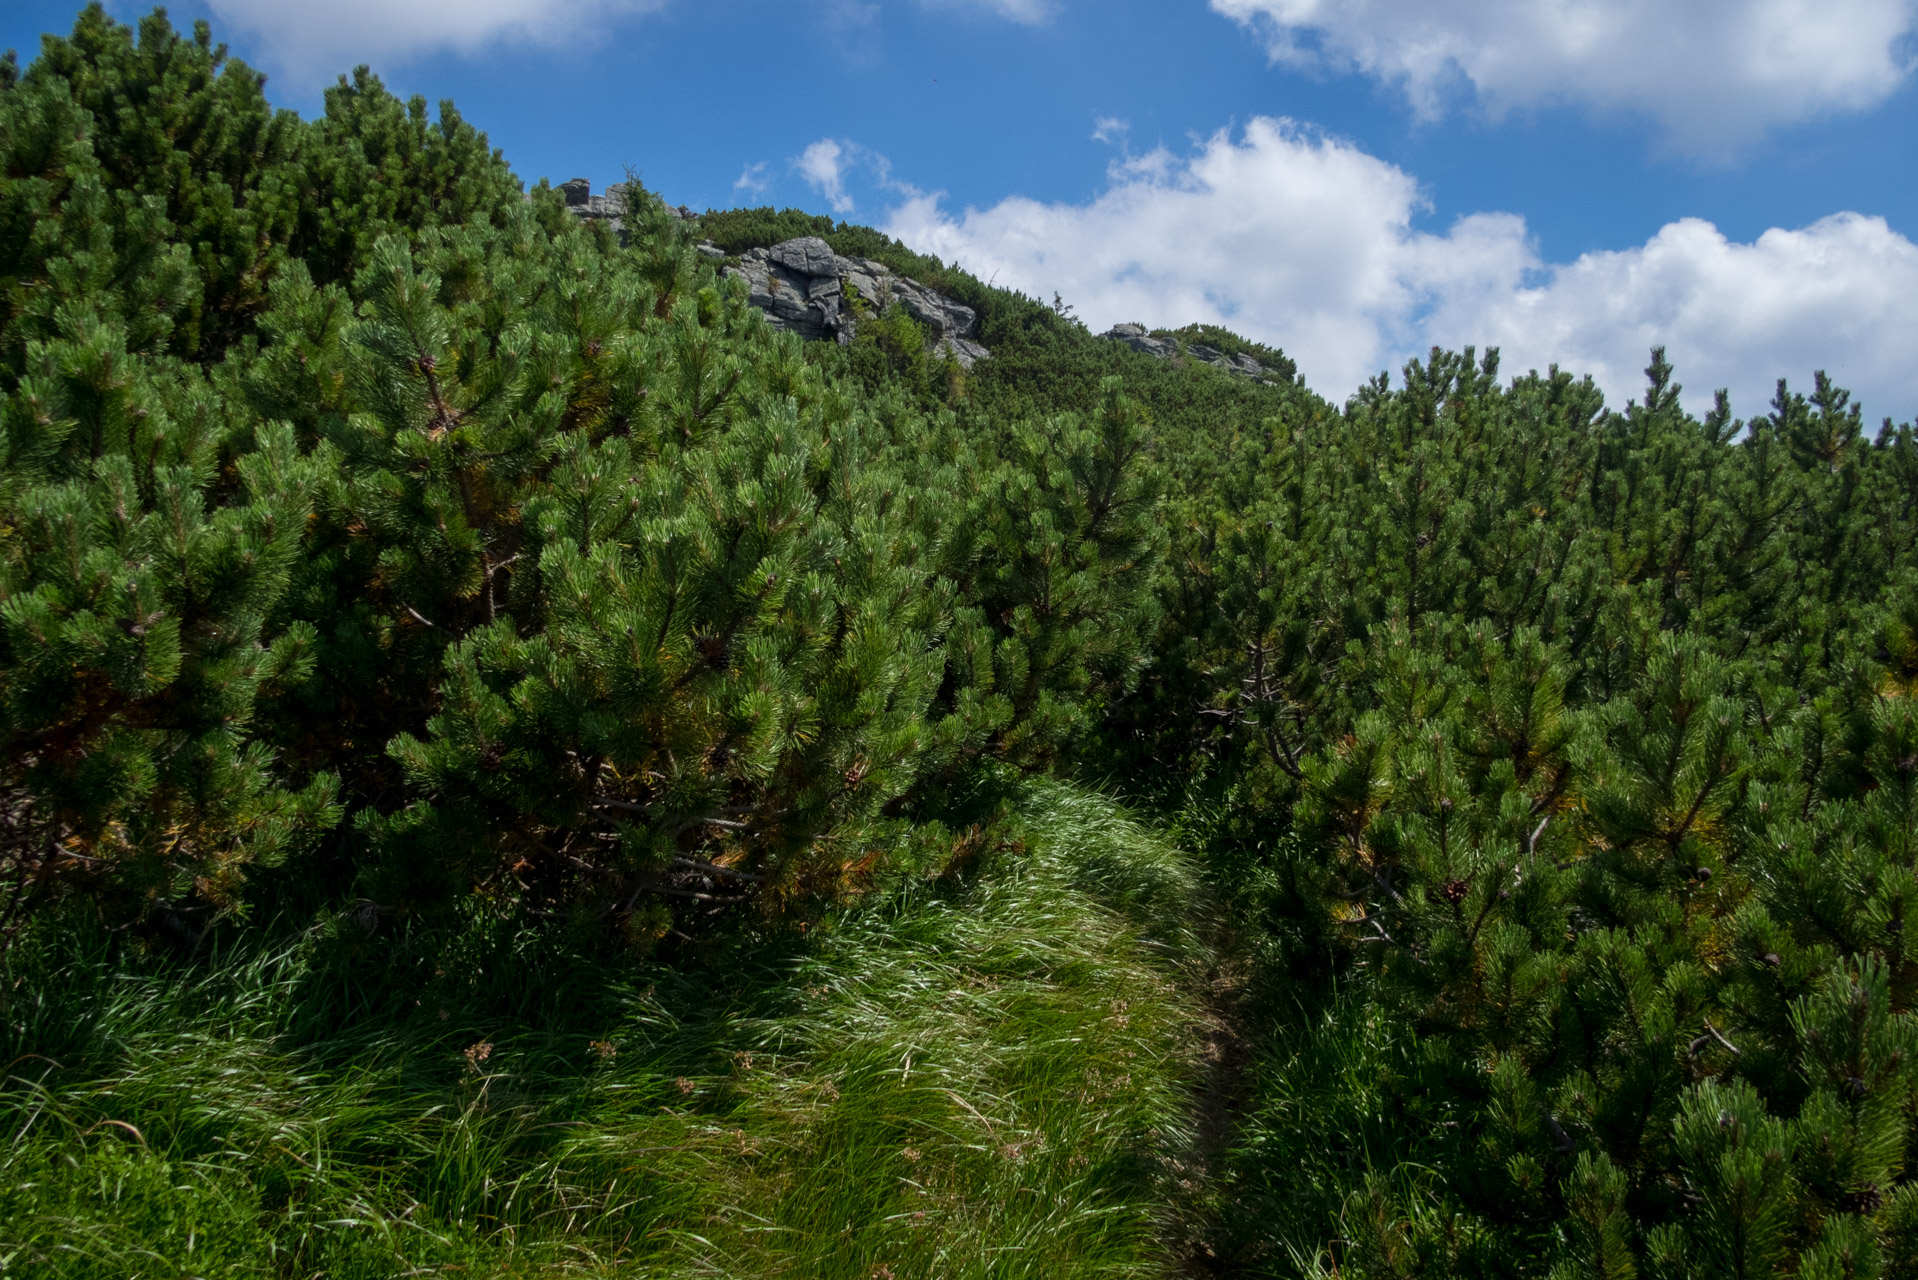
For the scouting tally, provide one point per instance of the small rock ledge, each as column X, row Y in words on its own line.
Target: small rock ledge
column 804, row 287
column 1241, row 365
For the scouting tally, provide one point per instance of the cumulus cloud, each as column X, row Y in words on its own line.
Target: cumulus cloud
column 1283, row 234
column 1713, row 73
column 823, row 165
column 311, row 41
column 846, row 13
column 1839, row 295
column 1027, row 11
column 830, row 163
column 1309, row 243
column 752, row 180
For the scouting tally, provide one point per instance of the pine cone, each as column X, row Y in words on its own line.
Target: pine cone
column 1867, row 1199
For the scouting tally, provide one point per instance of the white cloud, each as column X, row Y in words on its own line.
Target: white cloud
column 1308, row 243
column 823, row 166
column 313, row 41
column 828, row 164
column 1839, row 295
column 310, row 42
column 1713, row 73
column 846, row 13
column 1031, row 12
column 752, row 180
column 1110, row 129
column 1282, row 235
column 843, row 14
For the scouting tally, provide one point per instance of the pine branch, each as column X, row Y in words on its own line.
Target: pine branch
column 693, row 864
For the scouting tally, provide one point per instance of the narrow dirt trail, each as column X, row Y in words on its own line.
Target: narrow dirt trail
column 1224, row 1091
column 1221, row 1093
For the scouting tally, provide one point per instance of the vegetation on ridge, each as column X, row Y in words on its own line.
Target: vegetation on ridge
column 510, row 763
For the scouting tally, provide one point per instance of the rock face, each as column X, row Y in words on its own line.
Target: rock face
column 802, row 284
column 583, row 204
column 1135, row 336
column 609, row 208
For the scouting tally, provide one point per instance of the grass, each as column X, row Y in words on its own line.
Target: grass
column 984, row 1078
column 1320, row 1125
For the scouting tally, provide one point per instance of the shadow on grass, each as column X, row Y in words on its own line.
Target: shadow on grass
column 981, row 1076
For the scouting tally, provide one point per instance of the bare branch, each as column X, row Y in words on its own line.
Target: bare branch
column 694, row 864
column 697, row 897
column 710, row 821
column 625, row 806
column 1711, row 1033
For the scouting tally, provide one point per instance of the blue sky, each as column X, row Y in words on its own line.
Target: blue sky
column 1352, row 179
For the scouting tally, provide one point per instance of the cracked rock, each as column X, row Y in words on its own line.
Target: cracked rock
column 801, row 284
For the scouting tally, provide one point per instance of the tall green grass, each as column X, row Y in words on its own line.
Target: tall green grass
column 984, row 1077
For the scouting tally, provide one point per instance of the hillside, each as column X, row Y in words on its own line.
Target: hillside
column 549, row 732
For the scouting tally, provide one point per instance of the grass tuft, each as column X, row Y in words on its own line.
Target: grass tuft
column 979, row 1078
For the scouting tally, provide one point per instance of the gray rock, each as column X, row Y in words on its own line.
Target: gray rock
column 809, row 306
column 963, row 350
column 804, row 292
column 800, row 285
column 1135, row 336
column 922, row 305
column 797, row 310
column 808, row 255
column 961, row 321
column 943, row 316
column 759, row 285
column 587, row 207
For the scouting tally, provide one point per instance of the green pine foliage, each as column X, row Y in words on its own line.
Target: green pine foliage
column 1586, row 737
column 147, row 178
column 471, row 550
column 374, row 166
column 500, row 609
column 1060, row 551
column 151, row 538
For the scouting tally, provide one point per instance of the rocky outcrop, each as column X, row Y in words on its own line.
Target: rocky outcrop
column 584, row 205
column 1136, row 337
column 609, row 208
column 804, row 287
column 798, row 291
